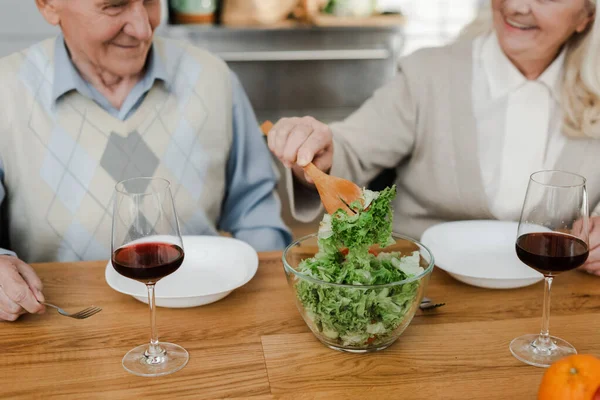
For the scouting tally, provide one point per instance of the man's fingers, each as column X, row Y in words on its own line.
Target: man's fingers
column 4, row 316
column 7, row 305
column 9, row 310
column 34, row 282
column 15, row 287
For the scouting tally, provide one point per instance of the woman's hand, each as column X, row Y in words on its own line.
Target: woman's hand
column 298, row 141
column 592, row 265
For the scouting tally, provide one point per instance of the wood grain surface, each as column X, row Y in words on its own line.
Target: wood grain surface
column 253, row 344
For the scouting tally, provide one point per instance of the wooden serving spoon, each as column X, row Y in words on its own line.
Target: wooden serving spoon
column 335, row 192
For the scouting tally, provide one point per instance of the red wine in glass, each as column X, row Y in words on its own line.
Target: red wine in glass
column 147, row 246
column 551, row 253
column 553, row 237
column 148, row 262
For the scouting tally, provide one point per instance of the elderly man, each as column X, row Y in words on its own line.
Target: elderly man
column 107, row 101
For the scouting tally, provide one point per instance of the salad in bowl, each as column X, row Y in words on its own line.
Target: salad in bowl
column 356, row 284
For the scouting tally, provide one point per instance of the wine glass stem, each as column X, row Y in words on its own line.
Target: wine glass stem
column 544, row 341
column 154, row 348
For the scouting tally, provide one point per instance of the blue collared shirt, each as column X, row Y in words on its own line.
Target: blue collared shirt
column 251, row 209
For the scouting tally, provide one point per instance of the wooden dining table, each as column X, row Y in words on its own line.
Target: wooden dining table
column 254, row 344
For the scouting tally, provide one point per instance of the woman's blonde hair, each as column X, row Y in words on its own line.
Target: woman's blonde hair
column 581, row 88
column 581, row 82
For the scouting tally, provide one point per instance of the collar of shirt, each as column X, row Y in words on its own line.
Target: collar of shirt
column 67, row 79
column 503, row 77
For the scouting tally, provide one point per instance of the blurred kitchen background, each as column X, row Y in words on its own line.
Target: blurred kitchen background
column 294, row 57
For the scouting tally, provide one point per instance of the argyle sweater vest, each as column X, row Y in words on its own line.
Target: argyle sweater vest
column 62, row 160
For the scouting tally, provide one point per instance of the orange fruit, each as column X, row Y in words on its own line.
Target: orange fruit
column 572, row 378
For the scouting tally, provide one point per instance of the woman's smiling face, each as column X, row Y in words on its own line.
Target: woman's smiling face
column 530, row 30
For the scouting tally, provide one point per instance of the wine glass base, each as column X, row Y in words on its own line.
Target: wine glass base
column 526, row 348
column 173, row 358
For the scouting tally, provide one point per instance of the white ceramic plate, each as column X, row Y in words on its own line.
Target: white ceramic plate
column 480, row 253
column 213, row 267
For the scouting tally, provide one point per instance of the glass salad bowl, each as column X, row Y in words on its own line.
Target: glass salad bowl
column 358, row 318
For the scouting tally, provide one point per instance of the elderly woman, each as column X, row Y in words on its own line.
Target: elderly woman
column 106, row 101
column 465, row 125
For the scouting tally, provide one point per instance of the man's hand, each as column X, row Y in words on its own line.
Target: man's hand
column 20, row 289
column 592, row 265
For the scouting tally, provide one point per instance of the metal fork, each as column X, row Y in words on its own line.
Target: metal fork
column 427, row 304
column 83, row 314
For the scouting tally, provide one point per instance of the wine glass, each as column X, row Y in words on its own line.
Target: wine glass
column 553, row 237
column 147, row 246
